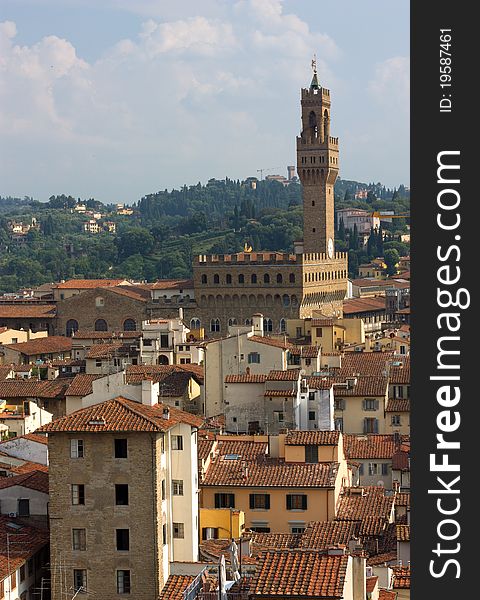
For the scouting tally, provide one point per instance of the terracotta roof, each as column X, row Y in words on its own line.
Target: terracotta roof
column 299, row 573
column 373, row 364
column 108, row 350
column 86, row 284
column 5, row 371
column 269, row 341
column 26, row 539
column 172, row 284
column 27, row 311
column 403, row 533
column 26, row 467
column 34, row 480
column 204, row 447
column 134, row 292
column 384, row 557
column 305, row 351
column 85, row 334
column 312, row 438
column 370, row 446
column 400, row 374
column 175, row 586
column 120, row 414
column 279, row 393
column 246, row 378
column 361, row 305
column 288, row 375
column 34, row 437
column 270, row 472
column 403, row 499
column 387, row 595
column 322, row 534
column 33, row 388
column 354, row 506
column 398, row 405
column 400, row 461
column 364, row 386
column 247, row 450
column 46, row 345
column 401, row 578
column 319, row 383
column 323, row 322
column 173, row 382
column 371, row 584
column 158, row 372
column 274, row 541
column 82, row 384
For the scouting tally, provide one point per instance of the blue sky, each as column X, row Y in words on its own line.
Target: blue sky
column 118, row 98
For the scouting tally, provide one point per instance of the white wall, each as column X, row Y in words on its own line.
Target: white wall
column 26, row 450
column 9, row 500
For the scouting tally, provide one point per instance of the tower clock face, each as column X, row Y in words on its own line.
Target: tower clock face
column 330, row 247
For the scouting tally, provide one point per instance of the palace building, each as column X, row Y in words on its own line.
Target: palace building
column 230, row 288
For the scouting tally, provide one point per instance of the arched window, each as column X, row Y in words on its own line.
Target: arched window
column 216, row 278
column 232, row 322
column 286, row 300
column 292, row 277
column 228, row 278
column 254, row 278
column 129, row 325
column 215, row 325
column 266, row 278
column 267, row 325
column 163, row 360
column 101, row 325
column 204, row 278
column 248, row 321
column 195, row 323
column 283, row 325
column 71, row 327
column 99, row 301
column 279, row 278
column 241, row 278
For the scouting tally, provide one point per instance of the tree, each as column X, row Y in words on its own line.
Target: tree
column 137, row 240
column 341, row 230
column 391, row 258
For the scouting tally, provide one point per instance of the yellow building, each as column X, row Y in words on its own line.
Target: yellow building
column 329, row 334
column 280, row 484
column 218, row 523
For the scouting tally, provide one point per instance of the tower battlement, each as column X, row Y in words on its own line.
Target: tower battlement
column 314, row 93
column 254, row 258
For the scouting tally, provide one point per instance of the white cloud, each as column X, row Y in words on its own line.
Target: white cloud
column 391, row 83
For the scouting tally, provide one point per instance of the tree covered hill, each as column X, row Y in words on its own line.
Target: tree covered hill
column 167, row 228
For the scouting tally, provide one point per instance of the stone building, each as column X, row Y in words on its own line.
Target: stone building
column 123, row 497
column 230, row 288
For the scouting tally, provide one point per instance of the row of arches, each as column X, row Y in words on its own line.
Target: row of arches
column 72, row 326
column 253, row 279
column 325, row 275
column 215, row 324
column 252, row 300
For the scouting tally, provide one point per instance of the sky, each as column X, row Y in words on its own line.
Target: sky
column 115, row 99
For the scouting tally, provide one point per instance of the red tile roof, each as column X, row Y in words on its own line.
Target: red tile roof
column 84, row 334
column 120, row 414
column 35, row 437
column 401, row 578
column 364, row 386
column 398, row 405
column 354, row 506
column 274, row 541
column 27, row 541
column 319, row 383
column 400, row 371
column 34, row 480
column 46, row 345
column 289, row 375
column 108, row 350
column 380, row 559
column 371, row 446
column 159, row 371
column 33, row 388
column 86, row 284
column 322, row 534
column 299, row 573
column 246, row 378
column 400, row 461
column 82, row 384
column 247, row 450
column 269, row 341
column 387, row 595
column 305, row 351
column 270, row 472
column 5, row 371
column 371, row 584
column 403, row 533
column 27, row 311
column 172, row 284
column 403, row 499
column 322, row 322
column 279, row 393
column 175, row 586
column 312, row 438
column 363, row 305
column 204, row 448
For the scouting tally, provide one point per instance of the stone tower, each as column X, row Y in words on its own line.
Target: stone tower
column 317, row 167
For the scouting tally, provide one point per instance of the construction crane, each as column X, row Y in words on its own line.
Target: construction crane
column 262, row 170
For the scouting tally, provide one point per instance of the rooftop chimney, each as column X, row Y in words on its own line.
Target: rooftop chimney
column 166, row 413
column 257, row 321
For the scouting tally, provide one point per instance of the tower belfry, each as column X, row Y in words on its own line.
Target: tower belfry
column 317, row 168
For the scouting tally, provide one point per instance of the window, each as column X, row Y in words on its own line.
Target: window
column 370, row 404
column 121, row 449
column 216, row 278
column 279, row 416
column 22, row 573
column 311, row 415
column 23, row 507
column 195, row 323
column 232, row 322
column 13, row 580
column 279, row 278
column 30, row 567
column 258, row 527
column 101, row 325
column 78, row 493
column 224, row 500
column 164, row 491
column 384, row 468
column 123, row 582
column 79, row 539
column 177, row 487
column 339, row 403
column 209, row 533
column 396, row 420
column 98, row 362
column 80, row 580
column 260, row 501
column 372, row 468
column 266, row 278
column 241, row 279
column 360, row 469
column 123, row 539
column 76, row 448
column 297, row 528
column 291, row 278
column 178, row 531
column 339, row 424
column 204, row 279
column 296, row 502
column 71, row 327
column 253, row 278
column 228, row 278
column 253, row 357
column 267, row 325
column 311, row 453
column 400, row 391
column 121, row 494
column 215, row 325
column 129, row 325
column 99, row 301
column 164, row 534
column 283, row 325
column 164, row 341
column 370, row 425
column 177, row 442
